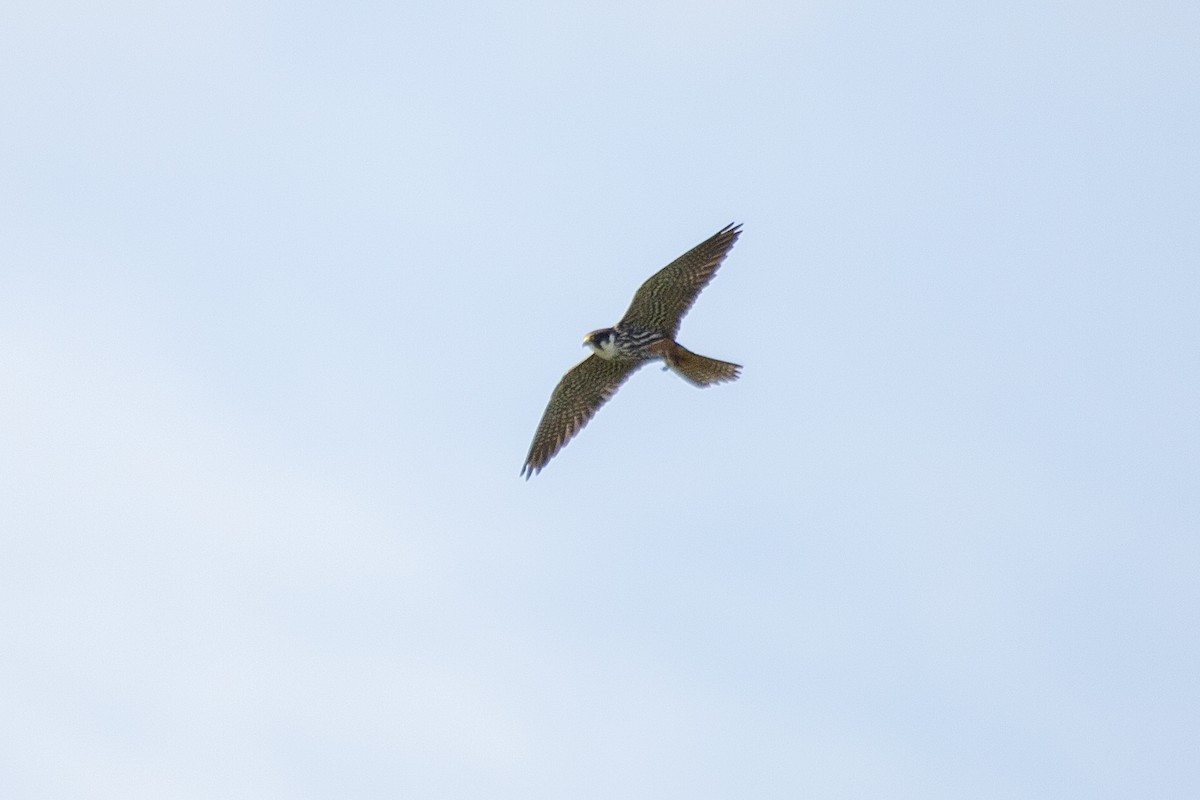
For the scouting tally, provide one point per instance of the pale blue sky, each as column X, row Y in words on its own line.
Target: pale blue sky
column 284, row 289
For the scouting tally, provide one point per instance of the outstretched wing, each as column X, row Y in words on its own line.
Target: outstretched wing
column 576, row 399
column 661, row 302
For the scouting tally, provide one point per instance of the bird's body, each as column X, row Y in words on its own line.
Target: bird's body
column 646, row 333
column 625, row 344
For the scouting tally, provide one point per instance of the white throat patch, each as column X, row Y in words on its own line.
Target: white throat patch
column 606, row 348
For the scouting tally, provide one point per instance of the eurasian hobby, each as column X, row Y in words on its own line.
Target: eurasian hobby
column 646, row 332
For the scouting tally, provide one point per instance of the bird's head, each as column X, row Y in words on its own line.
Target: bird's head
column 603, row 342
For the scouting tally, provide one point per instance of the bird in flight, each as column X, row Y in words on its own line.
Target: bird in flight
column 646, row 332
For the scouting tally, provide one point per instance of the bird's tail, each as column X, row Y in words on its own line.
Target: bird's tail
column 700, row 370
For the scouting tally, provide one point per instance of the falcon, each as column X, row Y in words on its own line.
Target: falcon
column 646, row 333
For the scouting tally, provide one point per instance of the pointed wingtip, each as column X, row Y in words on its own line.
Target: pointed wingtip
column 731, row 232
